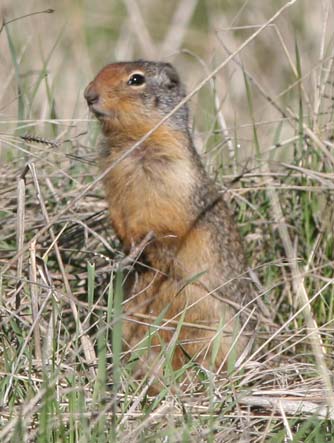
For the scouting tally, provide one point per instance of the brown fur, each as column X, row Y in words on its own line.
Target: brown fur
column 162, row 188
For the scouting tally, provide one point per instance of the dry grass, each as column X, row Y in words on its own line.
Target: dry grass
column 263, row 118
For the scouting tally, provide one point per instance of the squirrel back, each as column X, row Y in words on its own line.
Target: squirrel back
column 195, row 264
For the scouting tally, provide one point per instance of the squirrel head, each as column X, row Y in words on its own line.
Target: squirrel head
column 137, row 94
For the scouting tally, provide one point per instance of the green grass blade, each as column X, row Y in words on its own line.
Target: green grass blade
column 20, row 88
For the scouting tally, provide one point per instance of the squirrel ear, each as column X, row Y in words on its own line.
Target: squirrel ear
column 170, row 77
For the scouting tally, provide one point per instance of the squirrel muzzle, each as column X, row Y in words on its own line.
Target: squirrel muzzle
column 91, row 94
column 93, row 100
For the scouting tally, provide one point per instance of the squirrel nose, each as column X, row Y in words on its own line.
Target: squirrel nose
column 91, row 95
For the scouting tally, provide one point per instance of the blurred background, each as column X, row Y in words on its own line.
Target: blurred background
column 47, row 59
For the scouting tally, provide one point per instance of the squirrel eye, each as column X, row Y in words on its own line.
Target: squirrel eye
column 136, row 79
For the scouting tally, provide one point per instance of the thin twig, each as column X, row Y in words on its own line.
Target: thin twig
column 34, row 303
column 292, row 406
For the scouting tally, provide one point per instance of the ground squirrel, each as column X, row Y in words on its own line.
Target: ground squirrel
column 194, row 266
